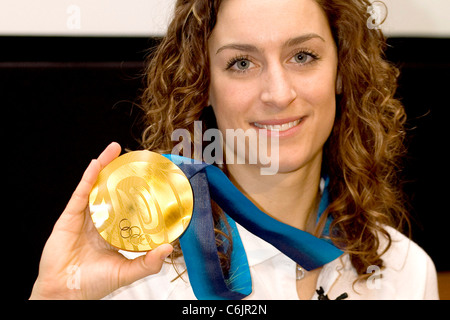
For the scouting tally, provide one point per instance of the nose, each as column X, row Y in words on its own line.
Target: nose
column 277, row 87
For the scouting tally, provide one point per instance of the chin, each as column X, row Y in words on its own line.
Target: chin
column 298, row 160
column 289, row 166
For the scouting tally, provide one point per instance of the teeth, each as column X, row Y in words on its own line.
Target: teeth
column 277, row 127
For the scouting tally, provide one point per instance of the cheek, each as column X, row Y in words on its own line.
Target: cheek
column 324, row 111
column 324, row 103
column 230, row 101
column 320, row 93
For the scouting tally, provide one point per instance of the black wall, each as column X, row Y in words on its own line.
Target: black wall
column 65, row 99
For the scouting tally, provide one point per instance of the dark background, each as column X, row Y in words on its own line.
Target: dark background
column 66, row 98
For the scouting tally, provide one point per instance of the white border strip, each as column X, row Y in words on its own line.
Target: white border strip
column 142, row 18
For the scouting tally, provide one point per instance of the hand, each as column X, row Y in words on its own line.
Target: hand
column 77, row 263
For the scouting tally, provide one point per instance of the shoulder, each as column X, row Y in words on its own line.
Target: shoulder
column 408, row 271
column 402, row 253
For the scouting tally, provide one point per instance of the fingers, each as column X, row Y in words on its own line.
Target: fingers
column 80, row 197
column 109, row 154
column 143, row 266
column 155, row 258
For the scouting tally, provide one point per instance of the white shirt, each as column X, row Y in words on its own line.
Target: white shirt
column 409, row 273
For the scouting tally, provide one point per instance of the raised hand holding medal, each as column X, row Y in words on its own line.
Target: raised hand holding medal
column 75, row 244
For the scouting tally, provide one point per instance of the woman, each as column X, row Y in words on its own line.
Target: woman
column 310, row 73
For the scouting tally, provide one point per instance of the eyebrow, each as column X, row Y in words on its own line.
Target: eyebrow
column 289, row 43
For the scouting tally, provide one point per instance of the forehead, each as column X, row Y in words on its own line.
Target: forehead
column 268, row 21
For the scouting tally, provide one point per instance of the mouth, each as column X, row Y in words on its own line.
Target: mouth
column 278, row 125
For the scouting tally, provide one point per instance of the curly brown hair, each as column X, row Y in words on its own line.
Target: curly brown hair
column 362, row 154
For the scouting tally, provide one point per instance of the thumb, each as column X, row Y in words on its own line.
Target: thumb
column 143, row 266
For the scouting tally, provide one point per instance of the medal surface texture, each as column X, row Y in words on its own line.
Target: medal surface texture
column 140, row 201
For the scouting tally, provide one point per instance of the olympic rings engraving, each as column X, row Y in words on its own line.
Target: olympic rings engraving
column 132, row 233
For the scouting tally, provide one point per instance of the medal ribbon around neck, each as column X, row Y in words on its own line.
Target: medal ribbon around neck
column 198, row 241
column 143, row 199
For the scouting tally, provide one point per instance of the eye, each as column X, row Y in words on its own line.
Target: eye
column 242, row 64
column 301, row 57
column 239, row 64
column 304, row 57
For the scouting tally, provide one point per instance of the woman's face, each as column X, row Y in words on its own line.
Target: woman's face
column 273, row 66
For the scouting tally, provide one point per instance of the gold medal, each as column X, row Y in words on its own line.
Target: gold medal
column 140, row 201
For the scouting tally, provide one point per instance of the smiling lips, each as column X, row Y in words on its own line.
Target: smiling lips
column 278, row 125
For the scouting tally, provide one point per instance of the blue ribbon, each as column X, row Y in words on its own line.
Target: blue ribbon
column 199, row 245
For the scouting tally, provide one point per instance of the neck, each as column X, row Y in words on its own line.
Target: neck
column 290, row 197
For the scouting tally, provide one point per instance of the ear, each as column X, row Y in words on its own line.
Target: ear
column 339, row 83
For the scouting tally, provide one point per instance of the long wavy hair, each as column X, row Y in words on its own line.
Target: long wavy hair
column 362, row 154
